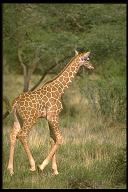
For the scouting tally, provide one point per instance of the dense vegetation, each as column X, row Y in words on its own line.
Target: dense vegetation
column 95, row 103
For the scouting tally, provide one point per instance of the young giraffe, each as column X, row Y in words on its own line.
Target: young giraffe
column 44, row 102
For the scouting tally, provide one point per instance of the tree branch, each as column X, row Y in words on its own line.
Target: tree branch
column 5, row 114
column 33, row 66
column 8, row 105
column 7, row 102
column 32, row 69
column 25, row 71
column 21, row 62
column 43, row 76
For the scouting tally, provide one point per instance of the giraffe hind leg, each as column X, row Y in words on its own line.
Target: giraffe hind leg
column 23, row 137
column 14, row 132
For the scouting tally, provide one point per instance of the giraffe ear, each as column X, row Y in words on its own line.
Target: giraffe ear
column 76, row 52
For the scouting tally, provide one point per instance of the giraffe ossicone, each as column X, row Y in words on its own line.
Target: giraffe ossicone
column 76, row 52
column 46, row 103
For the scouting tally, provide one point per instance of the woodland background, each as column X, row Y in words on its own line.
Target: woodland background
column 38, row 41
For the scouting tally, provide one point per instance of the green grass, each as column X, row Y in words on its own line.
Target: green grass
column 84, row 161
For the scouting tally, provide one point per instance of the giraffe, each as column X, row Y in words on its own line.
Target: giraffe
column 44, row 102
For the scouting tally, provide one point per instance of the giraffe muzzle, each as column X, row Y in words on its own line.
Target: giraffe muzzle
column 90, row 67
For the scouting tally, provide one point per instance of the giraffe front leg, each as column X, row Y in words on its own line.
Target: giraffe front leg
column 54, row 164
column 54, row 125
column 50, row 155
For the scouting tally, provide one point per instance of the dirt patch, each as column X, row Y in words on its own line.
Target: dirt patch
column 79, row 184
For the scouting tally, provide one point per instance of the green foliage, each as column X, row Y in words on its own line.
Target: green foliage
column 57, row 29
column 107, row 97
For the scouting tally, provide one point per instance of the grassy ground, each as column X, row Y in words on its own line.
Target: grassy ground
column 92, row 155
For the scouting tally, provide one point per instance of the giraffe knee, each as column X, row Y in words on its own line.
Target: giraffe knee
column 17, row 127
column 59, row 140
column 22, row 136
column 14, row 132
column 12, row 139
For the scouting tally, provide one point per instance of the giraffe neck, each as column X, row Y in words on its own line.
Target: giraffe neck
column 66, row 76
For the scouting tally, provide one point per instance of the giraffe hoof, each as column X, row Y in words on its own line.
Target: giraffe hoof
column 54, row 173
column 41, row 172
column 11, row 171
column 32, row 168
column 39, row 169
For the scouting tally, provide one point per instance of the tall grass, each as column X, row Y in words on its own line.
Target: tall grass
column 94, row 159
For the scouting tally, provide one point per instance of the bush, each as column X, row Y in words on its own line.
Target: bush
column 107, row 98
column 117, row 168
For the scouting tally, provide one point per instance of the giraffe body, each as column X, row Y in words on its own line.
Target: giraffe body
column 44, row 102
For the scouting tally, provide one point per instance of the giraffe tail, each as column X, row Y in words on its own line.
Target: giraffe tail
column 16, row 116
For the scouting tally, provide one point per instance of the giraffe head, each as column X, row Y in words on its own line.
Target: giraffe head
column 83, row 59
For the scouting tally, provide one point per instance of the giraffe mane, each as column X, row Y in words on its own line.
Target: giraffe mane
column 61, row 71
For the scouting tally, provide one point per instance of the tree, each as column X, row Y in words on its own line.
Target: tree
column 42, row 37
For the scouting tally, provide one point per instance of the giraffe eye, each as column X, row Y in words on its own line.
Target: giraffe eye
column 88, row 59
column 82, row 59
